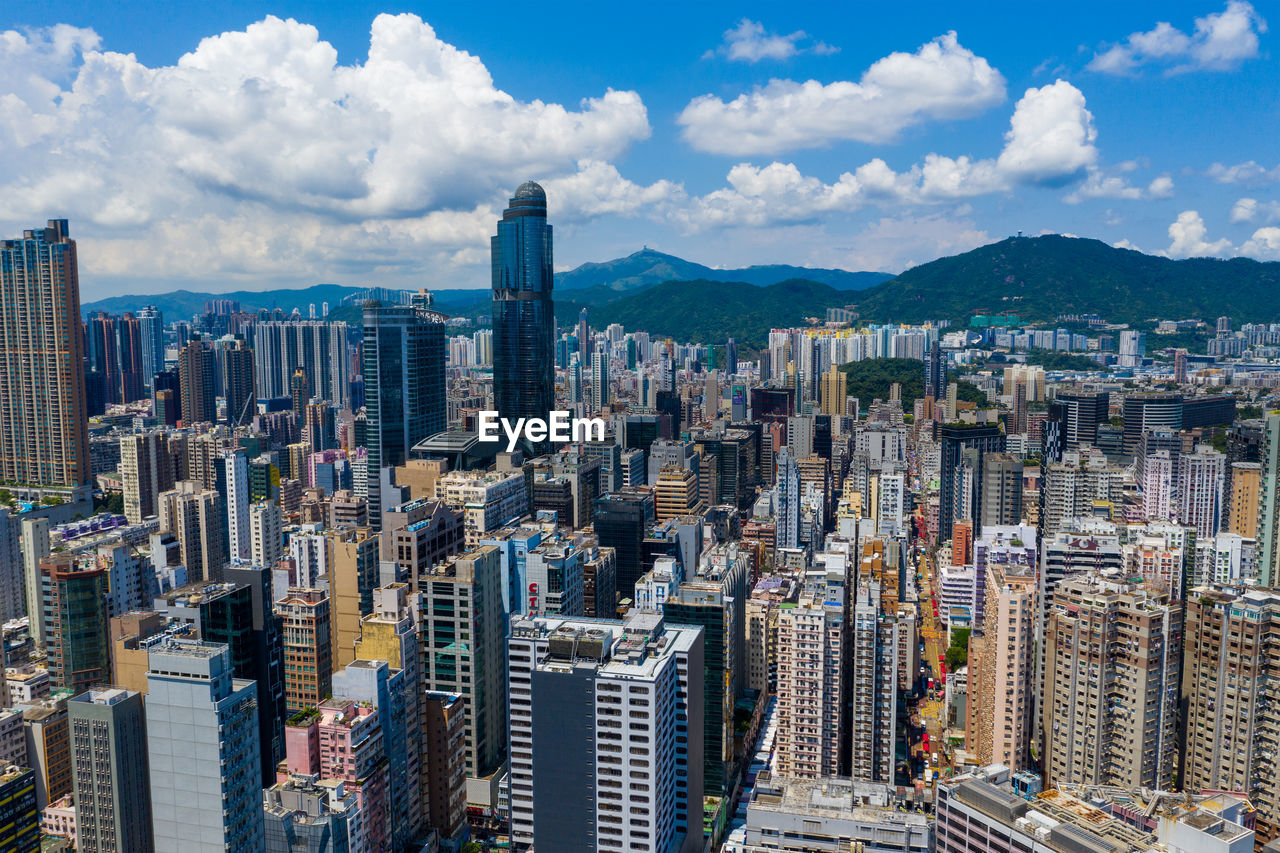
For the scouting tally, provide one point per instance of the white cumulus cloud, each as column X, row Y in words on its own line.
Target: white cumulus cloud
column 749, row 41
column 1264, row 245
column 1221, row 42
column 1248, row 173
column 264, row 152
column 1050, row 141
column 1187, row 236
column 1251, row 210
column 1051, row 136
column 941, row 80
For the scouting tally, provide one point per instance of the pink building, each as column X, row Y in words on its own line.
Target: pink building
column 59, row 820
column 342, row 739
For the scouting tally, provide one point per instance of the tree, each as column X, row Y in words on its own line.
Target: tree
column 957, row 654
column 6, row 497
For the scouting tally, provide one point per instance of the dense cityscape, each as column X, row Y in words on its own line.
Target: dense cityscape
column 638, row 555
column 267, row 586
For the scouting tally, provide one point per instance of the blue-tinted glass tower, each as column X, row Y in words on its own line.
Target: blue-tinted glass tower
column 523, row 316
column 403, row 366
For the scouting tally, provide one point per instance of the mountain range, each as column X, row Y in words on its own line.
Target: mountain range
column 591, row 283
column 1036, row 278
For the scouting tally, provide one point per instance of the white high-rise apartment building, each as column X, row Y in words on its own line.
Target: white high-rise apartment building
column 606, row 735
column 1157, row 485
column 239, row 541
column 1201, row 489
column 600, row 396
column 265, row 532
column 788, row 478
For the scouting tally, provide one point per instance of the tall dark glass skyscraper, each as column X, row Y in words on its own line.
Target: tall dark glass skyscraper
column 523, row 319
column 403, row 370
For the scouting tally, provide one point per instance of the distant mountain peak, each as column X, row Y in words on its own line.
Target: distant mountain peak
column 647, row 267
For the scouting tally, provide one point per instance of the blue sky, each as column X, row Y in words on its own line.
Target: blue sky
column 211, row 146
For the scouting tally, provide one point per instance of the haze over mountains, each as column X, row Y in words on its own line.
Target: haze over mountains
column 1037, row 278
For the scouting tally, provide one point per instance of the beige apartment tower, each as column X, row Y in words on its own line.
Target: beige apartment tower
column 1242, row 513
column 44, row 432
column 999, row 718
column 1232, row 697
column 1112, row 658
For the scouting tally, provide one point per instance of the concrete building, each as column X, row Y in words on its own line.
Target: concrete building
column 989, row 810
column 444, row 764
column 488, row 500
column 1232, row 717
column 351, row 555
column 49, row 749
column 1001, row 498
column 1242, row 502
column 44, row 438
column 266, row 547
column 999, row 707
column 342, row 739
column 146, row 471
column 236, row 498
column 1112, row 663
column 812, row 644
column 608, row 716
column 19, row 815
column 376, row 684
column 112, row 782
column 304, row 814
column 306, row 632
column 461, row 631
column 194, row 514
column 202, row 736
column 390, row 634
column 1201, row 498
column 676, row 494
column 831, row 815
column 872, row 687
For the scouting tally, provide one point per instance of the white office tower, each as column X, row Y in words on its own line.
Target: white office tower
column 202, row 743
column 600, row 396
column 239, row 541
column 265, row 531
column 788, row 527
column 606, row 735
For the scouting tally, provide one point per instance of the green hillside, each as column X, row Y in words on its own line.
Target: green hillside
column 1039, row 278
column 871, row 379
column 708, row 312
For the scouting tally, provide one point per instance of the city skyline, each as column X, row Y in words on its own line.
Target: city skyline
column 721, row 152
column 474, row 554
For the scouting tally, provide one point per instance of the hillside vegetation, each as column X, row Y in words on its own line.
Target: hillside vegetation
column 1039, row 278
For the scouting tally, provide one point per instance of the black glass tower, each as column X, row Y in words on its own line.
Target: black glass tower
column 523, row 317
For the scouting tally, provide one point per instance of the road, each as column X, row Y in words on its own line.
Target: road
column 933, row 633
